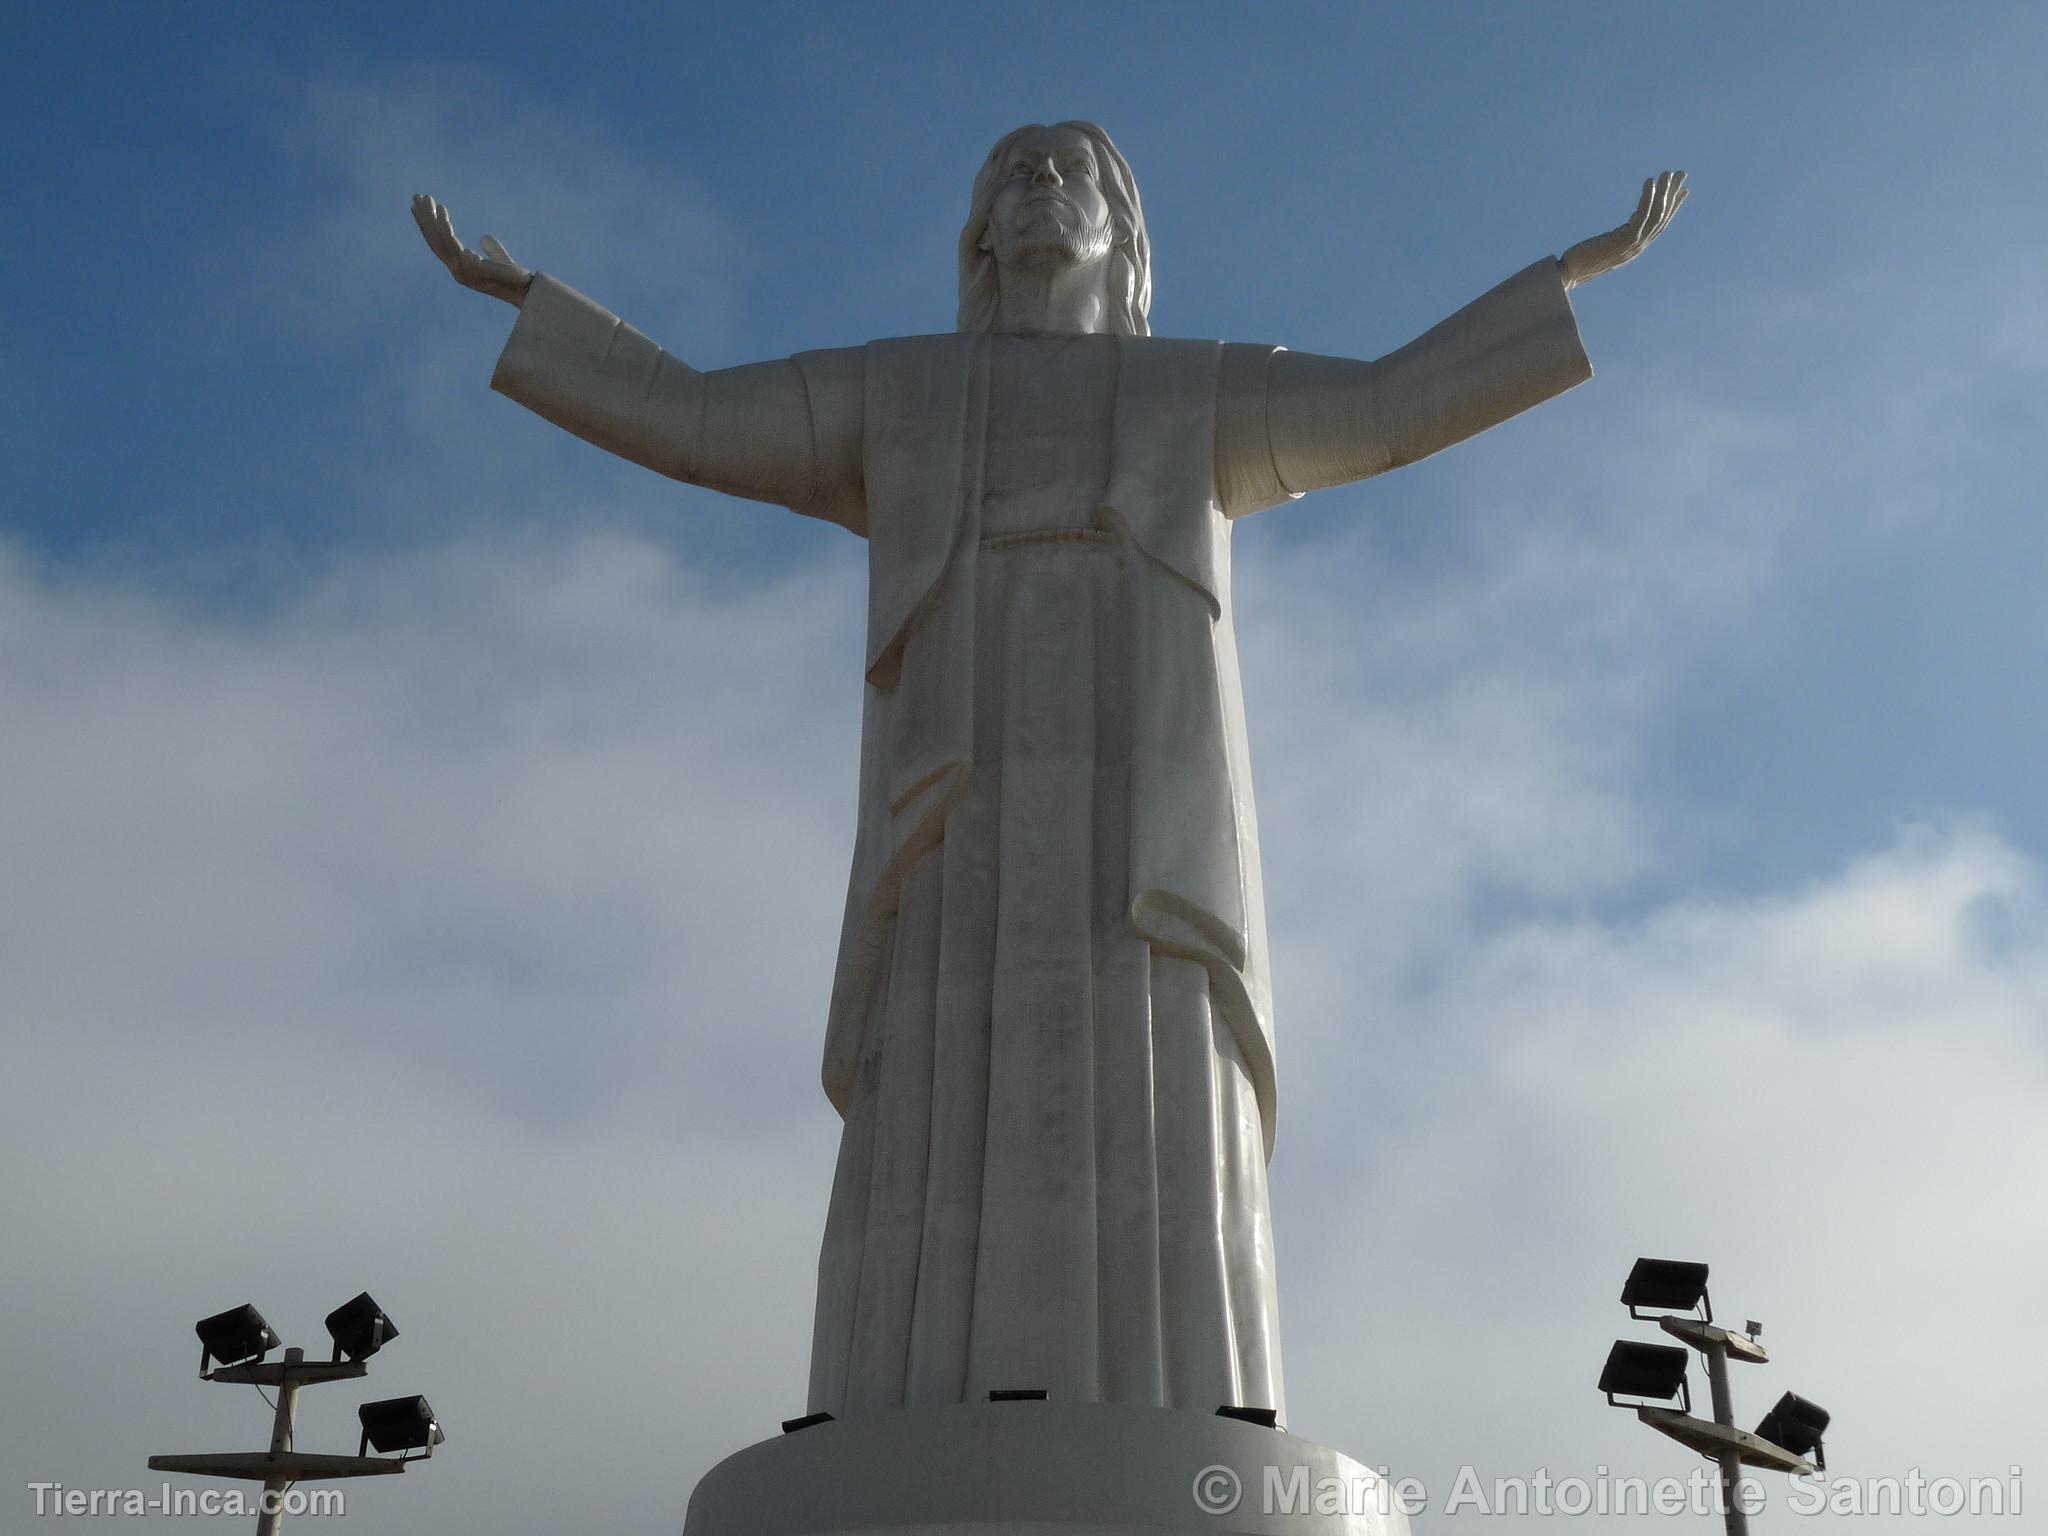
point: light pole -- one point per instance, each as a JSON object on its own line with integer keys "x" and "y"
{"x": 1634, "y": 1370}
{"x": 239, "y": 1339}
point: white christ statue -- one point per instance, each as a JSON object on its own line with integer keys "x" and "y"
{"x": 1051, "y": 1032}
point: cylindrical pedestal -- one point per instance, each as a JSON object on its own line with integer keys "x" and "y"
{"x": 1041, "y": 1469}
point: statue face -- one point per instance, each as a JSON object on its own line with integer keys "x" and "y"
{"x": 1050, "y": 207}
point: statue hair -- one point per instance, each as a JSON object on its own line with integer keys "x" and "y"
{"x": 1130, "y": 253}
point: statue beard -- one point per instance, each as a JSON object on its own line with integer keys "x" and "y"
{"x": 1051, "y": 241}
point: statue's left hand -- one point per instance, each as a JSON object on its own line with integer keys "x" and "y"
{"x": 494, "y": 272}
{"x": 1585, "y": 261}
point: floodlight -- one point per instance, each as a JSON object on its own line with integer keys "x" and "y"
{"x": 1666, "y": 1285}
{"x": 808, "y": 1421}
{"x": 233, "y": 1336}
{"x": 1017, "y": 1395}
{"x": 1797, "y": 1425}
{"x": 400, "y": 1424}
{"x": 360, "y": 1328}
{"x": 1646, "y": 1370}
{"x": 1265, "y": 1418}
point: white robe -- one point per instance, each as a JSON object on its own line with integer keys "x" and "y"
{"x": 1051, "y": 1029}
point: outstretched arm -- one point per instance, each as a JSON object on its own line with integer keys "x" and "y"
{"x": 1331, "y": 420}
{"x": 750, "y": 431}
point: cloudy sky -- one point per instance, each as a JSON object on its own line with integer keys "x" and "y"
{"x": 422, "y": 838}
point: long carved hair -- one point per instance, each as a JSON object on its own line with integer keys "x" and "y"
{"x": 1130, "y": 254}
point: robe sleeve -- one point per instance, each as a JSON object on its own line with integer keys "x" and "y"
{"x": 748, "y": 431}
{"x": 1247, "y": 479}
{"x": 1332, "y": 420}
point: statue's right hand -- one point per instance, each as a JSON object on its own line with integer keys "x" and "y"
{"x": 494, "y": 272}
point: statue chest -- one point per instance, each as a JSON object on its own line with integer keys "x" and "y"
{"x": 1051, "y": 412}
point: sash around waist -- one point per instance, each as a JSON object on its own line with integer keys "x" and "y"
{"x": 1001, "y": 541}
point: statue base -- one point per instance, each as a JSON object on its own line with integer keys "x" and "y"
{"x": 1041, "y": 1469}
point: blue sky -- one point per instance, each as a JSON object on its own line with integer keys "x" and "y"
{"x": 348, "y": 713}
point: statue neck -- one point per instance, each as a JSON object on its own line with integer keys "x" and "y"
{"x": 1053, "y": 298}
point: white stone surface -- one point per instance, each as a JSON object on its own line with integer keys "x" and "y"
{"x": 1061, "y": 1469}
{"x": 1051, "y": 1030}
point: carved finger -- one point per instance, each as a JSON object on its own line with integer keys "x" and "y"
{"x": 1645, "y": 222}
{"x": 496, "y": 251}
{"x": 1671, "y": 195}
{"x": 1674, "y": 194}
{"x": 424, "y": 210}
{"x": 1655, "y": 221}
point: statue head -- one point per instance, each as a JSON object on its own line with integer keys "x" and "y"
{"x": 1058, "y": 194}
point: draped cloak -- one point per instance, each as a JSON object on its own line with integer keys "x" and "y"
{"x": 1052, "y": 1171}
{"x": 1193, "y": 857}
{"x": 917, "y": 409}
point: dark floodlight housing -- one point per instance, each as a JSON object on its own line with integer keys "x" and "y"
{"x": 360, "y": 1328}
{"x": 233, "y": 1336}
{"x": 400, "y": 1424}
{"x": 1667, "y": 1285}
{"x": 1265, "y": 1418}
{"x": 808, "y": 1421}
{"x": 1017, "y": 1395}
{"x": 1646, "y": 1370}
{"x": 1797, "y": 1425}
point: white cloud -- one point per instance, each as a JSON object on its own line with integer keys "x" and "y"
{"x": 562, "y": 193}
{"x": 1441, "y": 738}
{"x": 485, "y": 813}
{"x": 1832, "y": 1095}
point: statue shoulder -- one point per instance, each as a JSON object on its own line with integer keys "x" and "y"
{"x": 1191, "y": 360}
